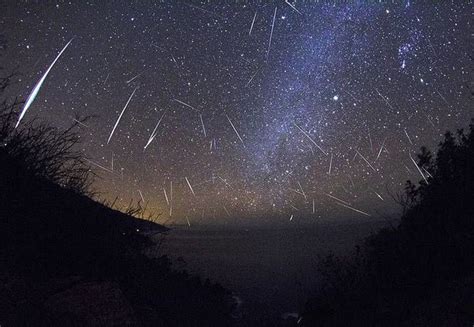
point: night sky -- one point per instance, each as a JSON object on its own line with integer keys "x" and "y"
{"x": 270, "y": 112}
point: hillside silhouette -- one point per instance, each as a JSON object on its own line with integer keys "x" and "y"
{"x": 420, "y": 273}
{"x": 67, "y": 260}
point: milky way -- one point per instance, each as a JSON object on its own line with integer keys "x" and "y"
{"x": 248, "y": 111}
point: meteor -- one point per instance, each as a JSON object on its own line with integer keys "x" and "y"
{"x": 120, "y": 117}
{"x": 38, "y": 85}
{"x": 442, "y": 97}
{"x": 408, "y": 137}
{"x": 368, "y": 163}
{"x": 353, "y": 209}
{"x": 133, "y": 78}
{"x": 309, "y": 138}
{"x": 385, "y": 99}
{"x": 141, "y": 196}
{"x": 251, "y": 78}
{"x": 97, "y": 165}
{"x": 203, "y": 127}
{"x": 330, "y": 165}
{"x": 166, "y": 196}
{"x": 80, "y": 123}
{"x": 378, "y": 195}
{"x": 185, "y": 104}
{"x": 292, "y": 7}
{"x": 253, "y": 22}
{"x": 105, "y": 81}
{"x": 370, "y": 139}
{"x": 381, "y": 148}
{"x": 271, "y": 33}
{"x": 112, "y": 162}
{"x": 302, "y": 191}
{"x": 337, "y": 199}
{"x": 235, "y": 130}
{"x": 418, "y": 168}
{"x": 190, "y": 187}
{"x": 153, "y": 134}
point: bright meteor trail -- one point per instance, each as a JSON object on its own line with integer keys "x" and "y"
{"x": 38, "y": 85}
{"x": 153, "y": 134}
{"x": 120, "y": 117}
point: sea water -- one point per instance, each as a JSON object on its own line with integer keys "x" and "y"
{"x": 265, "y": 267}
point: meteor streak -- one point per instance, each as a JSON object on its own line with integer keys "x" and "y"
{"x": 378, "y": 195}
{"x": 309, "y": 138}
{"x": 302, "y": 191}
{"x": 185, "y": 104}
{"x": 418, "y": 168}
{"x": 366, "y": 160}
{"x": 106, "y": 78}
{"x": 330, "y": 164}
{"x": 190, "y": 187}
{"x": 253, "y": 21}
{"x": 153, "y": 134}
{"x": 271, "y": 33}
{"x": 166, "y": 196}
{"x": 385, "y": 99}
{"x": 38, "y": 85}
{"x": 203, "y": 127}
{"x": 381, "y": 148}
{"x": 141, "y": 196}
{"x": 442, "y": 97}
{"x": 332, "y": 196}
{"x": 235, "y": 130}
{"x": 97, "y": 165}
{"x": 292, "y": 7}
{"x": 133, "y": 78}
{"x": 251, "y": 78}
{"x": 79, "y": 122}
{"x": 353, "y": 209}
{"x": 120, "y": 117}
{"x": 408, "y": 137}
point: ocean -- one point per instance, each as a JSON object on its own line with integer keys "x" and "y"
{"x": 271, "y": 268}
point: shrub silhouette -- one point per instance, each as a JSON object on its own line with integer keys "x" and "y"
{"x": 420, "y": 272}
{"x": 46, "y": 152}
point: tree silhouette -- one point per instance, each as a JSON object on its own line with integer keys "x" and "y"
{"x": 398, "y": 274}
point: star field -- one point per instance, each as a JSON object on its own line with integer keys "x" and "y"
{"x": 270, "y": 111}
